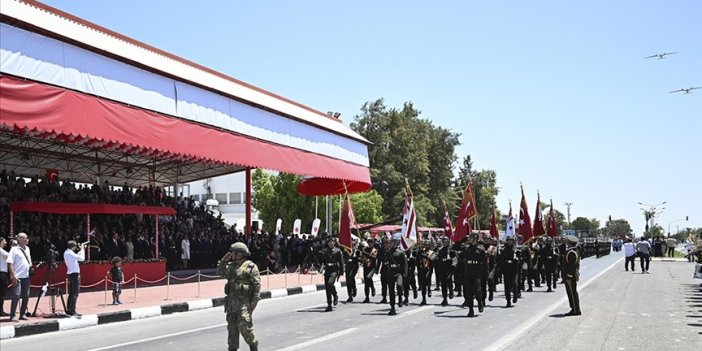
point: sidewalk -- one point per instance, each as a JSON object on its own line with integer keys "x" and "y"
{"x": 151, "y": 301}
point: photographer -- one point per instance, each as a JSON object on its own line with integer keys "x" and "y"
{"x": 71, "y": 257}
{"x": 19, "y": 263}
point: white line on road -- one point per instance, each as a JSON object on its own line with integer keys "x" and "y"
{"x": 158, "y": 337}
{"x": 518, "y": 331}
{"x": 319, "y": 340}
{"x": 310, "y": 307}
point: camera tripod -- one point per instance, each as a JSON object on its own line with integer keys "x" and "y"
{"x": 50, "y": 273}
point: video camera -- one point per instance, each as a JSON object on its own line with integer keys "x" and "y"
{"x": 51, "y": 254}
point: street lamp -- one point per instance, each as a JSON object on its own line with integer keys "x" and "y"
{"x": 675, "y": 220}
{"x": 651, "y": 212}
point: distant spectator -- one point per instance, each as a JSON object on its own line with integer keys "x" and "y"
{"x": 644, "y": 250}
{"x": 185, "y": 250}
{"x": 19, "y": 262}
{"x": 670, "y": 246}
{"x": 629, "y": 254}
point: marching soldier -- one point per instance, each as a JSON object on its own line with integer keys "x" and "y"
{"x": 351, "y": 268}
{"x": 507, "y": 264}
{"x": 384, "y": 277}
{"x": 369, "y": 260}
{"x": 549, "y": 260}
{"x": 457, "y": 268}
{"x": 571, "y": 275}
{"x": 410, "y": 281}
{"x": 473, "y": 257}
{"x": 525, "y": 274}
{"x": 395, "y": 263}
{"x": 242, "y": 292}
{"x": 444, "y": 266}
{"x": 488, "y": 281}
{"x": 333, "y": 262}
{"x": 425, "y": 267}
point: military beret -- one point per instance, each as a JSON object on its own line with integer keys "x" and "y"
{"x": 572, "y": 239}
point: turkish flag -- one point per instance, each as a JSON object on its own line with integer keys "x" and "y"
{"x": 347, "y": 220}
{"x": 538, "y": 219}
{"x": 552, "y": 229}
{"x": 52, "y": 175}
{"x": 493, "y": 224}
{"x": 524, "y": 228}
{"x": 467, "y": 212}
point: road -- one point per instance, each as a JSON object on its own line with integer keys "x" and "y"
{"x": 298, "y": 323}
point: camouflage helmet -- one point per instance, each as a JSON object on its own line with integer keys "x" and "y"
{"x": 240, "y": 248}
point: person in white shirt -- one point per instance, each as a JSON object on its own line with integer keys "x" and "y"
{"x": 629, "y": 254}
{"x": 19, "y": 260}
{"x": 71, "y": 257}
{"x": 3, "y": 276}
{"x": 185, "y": 251}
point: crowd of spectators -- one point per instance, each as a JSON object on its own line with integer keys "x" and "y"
{"x": 193, "y": 238}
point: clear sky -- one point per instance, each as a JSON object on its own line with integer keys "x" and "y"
{"x": 554, "y": 94}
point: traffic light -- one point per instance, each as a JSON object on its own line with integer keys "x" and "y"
{"x": 610, "y": 218}
{"x": 686, "y": 218}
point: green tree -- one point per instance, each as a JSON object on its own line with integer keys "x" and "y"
{"x": 581, "y": 224}
{"x": 484, "y": 189}
{"x": 617, "y": 228}
{"x": 406, "y": 146}
{"x": 275, "y": 196}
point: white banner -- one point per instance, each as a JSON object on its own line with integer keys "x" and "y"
{"x": 278, "y": 226}
{"x": 315, "y": 226}
{"x": 296, "y": 226}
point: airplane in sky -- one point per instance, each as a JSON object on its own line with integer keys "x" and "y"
{"x": 686, "y": 90}
{"x": 661, "y": 55}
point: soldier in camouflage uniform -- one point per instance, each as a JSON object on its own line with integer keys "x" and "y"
{"x": 243, "y": 290}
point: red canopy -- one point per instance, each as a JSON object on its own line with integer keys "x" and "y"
{"x": 324, "y": 186}
{"x": 74, "y": 208}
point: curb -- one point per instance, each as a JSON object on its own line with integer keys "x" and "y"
{"x": 15, "y": 331}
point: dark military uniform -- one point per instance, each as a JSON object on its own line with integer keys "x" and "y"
{"x": 395, "y": 266}
{"x": 526, "y": 268}
{"x": 487, "y": 283}
{"x": 458, "y": 268}
{"x": 351, "y": 268}
{"x": 243, "y": 289}
{"x": 333, "y": 262}
{"x": 549, "y": 261}
{"x": 425, "y": 267}
{"x": 370, "y": 263}
{"x": 571, "y": 274}
{"x": 473, "y": 258}
{"x": 409, "y": 281}
{"x": 507, "y": 264}
{"x": 444, "y": 268}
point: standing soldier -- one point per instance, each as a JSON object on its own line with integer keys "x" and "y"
{"x": 507, "y": 263}
{"x": 394, "y": 262}
{"x": 410, "y": 280}
{"x": 243, "y": 291}
{"x": 571, "y": 275}
{"x": 351, "y": 268}
{"x": 425, "y": 267}
{"x": 473, "y": 257}
{"x": 333, "y": 262}
{"x": 369, "y": 260}
{"x": 549, "y": 259}
{"x": 444, "y": 265}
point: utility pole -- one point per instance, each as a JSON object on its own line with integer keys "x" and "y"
{"x": 568, "y": 204}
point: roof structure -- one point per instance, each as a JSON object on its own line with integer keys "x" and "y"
{"x": 91, "y": 103}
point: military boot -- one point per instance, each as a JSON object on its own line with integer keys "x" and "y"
{"x": 549, "y": 289}
{"x": 509, "y": 303}
{"x": 254, "y": 347}
{"x": 444, "y": 303}
{"x": 328, "y": 309}
{"x": 384, "y": 300}
{"x": 406, "y": 301}
{"x": 481, "y": 306}
{"x": 392, "y": 311}
{"x": 429, "y": 292}
{"x": 471, "y": 313}
{"x": 366, "y": 300}
{"x": 414, "y": 291}
{"x": 350, "y": 299}
{"x": 490, "y": 296}
{"x": 336, "y": 300}
{"x": 424, "y": 301}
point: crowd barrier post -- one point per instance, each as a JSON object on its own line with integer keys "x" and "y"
{"x": 268, "y": 279}
{"x": 66, "y": 287}
{"x": 105, "y": 290}
{"x": 311, "y": 271}
{"x": 285, "y": 271}
{"x": 298, "y": 275}
{"x": 168, "y": 286}
{"x": 198, "y": 283}
{"x": 135, "y": 286}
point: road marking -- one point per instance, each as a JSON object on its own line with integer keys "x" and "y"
{"x": 158, "y": 337}
{"x": 521, "y": 329}
{"x": 416, "y": 310}
{"x": 310, "y": 307}
{"x": 319, "y": 340}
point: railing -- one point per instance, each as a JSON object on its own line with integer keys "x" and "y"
{"x": 312, "y": 272}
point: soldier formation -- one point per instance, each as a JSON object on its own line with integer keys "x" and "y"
{"x": 471, "y": 269}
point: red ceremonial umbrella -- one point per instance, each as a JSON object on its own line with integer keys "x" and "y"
{"x": 315, "y": 186}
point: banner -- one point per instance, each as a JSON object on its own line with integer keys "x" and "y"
{"x": 538, "y": 218}
{"x": 315, "y": 227}
{"x": 552, "y": 228}
{"x": 278, "y": 226}
{"x": 524, "y": 229}
{"x": 409, "y": 221}
{"x": 297, "y": 226}
{"x": 465, "y": 214}
{"x": 345, "y": 223}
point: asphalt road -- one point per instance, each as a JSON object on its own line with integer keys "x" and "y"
{"x": 298, "y": 323}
